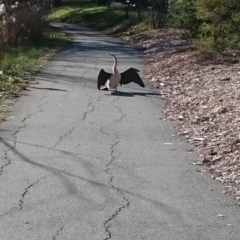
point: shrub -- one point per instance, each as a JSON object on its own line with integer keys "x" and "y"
{"x": 183, "y": 14}
{"x": 221, "y": 24}
{"x": 205, "y": 47}
{"x": 21, "y": 26}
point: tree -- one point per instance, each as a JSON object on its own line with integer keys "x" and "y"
{"x": 183, "y": 14}
{"x": 57, "y": 3}
{"x": 102, "y": 2}
{"x": 220, "y": 23}
{"x": 159, "y": 12}
{"x": 139, "y": 6}
{"x": 127, "y": 8}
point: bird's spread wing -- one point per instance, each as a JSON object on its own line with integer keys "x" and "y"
{"x": 102, "y": 78}
{"x": 131, "y": 75}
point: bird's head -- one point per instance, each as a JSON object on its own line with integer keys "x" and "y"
{"x": 108, "y": 53}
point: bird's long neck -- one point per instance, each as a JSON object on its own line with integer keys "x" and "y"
{"x": 114, "y": 68}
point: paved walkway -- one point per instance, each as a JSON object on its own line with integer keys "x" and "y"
{"x": 78, "y": 163}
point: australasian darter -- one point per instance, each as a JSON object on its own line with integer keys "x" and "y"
{"x": 112, "y": 80}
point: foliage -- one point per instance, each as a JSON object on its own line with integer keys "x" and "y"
{"x": 214, "y": 23}
{"x": 183, "y": 14}
{"x": 221, "y": 24}
{"x": 19, "y": 64}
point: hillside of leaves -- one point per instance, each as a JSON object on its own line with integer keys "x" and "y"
{"x": 201, "y": 98}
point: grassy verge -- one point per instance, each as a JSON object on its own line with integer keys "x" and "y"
{"x": 112, "y": 21}
{"x": 18, "y": 66}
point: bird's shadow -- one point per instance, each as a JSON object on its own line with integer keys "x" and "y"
{"x": 132, "y": 94}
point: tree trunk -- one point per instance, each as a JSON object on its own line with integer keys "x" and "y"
{"x": 57, "y": 3}
{"x": 127, "y": 9}
{"x": 139, "y": 6}
{"x": 152, "y": 15}
{"x": 108, "y": 3}
{"x": 102, "y": 2}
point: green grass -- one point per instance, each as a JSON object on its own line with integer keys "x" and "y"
{"x": 19, "y": 65}
{"x": 112, "y": 21}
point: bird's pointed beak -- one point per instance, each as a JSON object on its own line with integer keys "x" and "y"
{"x": 108, "y": 53}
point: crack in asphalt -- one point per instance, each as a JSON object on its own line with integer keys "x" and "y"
{"x": 70, "y": 131}
{"x": 28, "y": 116}
{"x": 14, "y": 135}
{"x": 54, "y": 237}
{"x": 39, "y": 110}
{"x": 119, "y": 110}
{"x": 7, "y": 163}
{"x": 8, "y": 160}
{"x": 127, "y": 202}
{"x": 67, "y": 133}
{"x": 109, "y": 172}
{"x": 4, "y": 214}
{"x": 111, "y": 161}
{"x": 90, "y": 104}
{"x": 21, "y": 201}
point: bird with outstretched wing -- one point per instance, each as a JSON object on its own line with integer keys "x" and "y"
{"x": 131, "y": 75}
{"x": 111, "y": 81}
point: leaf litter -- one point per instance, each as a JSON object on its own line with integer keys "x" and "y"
{"x": 201, "y": 98}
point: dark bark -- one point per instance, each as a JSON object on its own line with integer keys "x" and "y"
{"x": 57, "y": 3}
{"x": 159, "y": 12}
{"x": 139, "y": 6}
{"x": 102, "y": 2}
{"x": 127, "y": 9}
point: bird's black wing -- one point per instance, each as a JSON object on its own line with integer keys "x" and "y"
{"x": 131, "y": 75}
{"x": 102, "y": 78}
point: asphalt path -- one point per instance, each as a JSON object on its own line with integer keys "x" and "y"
{"x": 81, "y": 164}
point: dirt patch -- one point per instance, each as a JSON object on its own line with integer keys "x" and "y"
{"x": 202, "y": 98}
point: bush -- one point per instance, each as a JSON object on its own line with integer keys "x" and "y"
{"x": 221, "y": 24}
{"x": 214, "y": 23}
{"x": 21, "y": 26}
{"x": 205, "y": 47}
{"x": 183, "y": 14}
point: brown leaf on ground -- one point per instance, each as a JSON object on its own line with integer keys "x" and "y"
{"x": 203, "y": 100}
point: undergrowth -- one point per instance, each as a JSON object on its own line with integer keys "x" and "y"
{"x": 18, "y": 66}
